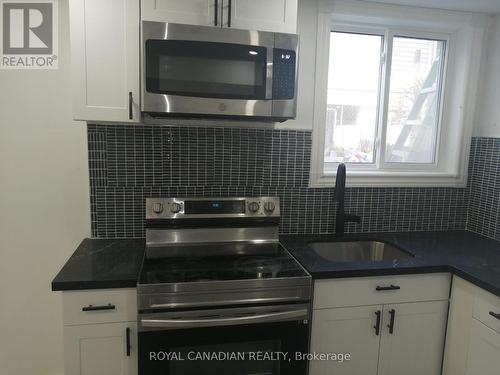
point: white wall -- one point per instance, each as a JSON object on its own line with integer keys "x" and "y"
{"x": 487, "y": 122}
{"x": 44, "y": 209}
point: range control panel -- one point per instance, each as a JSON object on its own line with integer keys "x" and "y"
{"x": 177, "y": 208}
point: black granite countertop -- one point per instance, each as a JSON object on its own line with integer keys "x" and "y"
{"x": 473, "y": 257}
{"x": 101, "y": 264}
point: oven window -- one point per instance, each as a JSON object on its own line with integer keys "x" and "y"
{"x": 176, "y": 345}
{"x": 205, "y": 69}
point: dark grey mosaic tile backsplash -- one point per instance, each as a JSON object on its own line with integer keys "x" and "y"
{"x": 129, "y": 163}
{"x": 484, "y": 187}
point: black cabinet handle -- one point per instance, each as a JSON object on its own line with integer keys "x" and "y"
{"x": 229, "y": 13}
{"x": 495, "y": 315}
{"x": 130, "y": 104}
{"x": 99, "y": 308}
{"x": 216, "y": 13}
{"x": 392, "y": 313}
{"x": 378, "y": 313}
{"x": 391, "y": 287}
{"x": 127, "y": 334}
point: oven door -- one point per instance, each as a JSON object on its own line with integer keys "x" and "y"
{"x": 233, "y": 341}
{"x": 207, "y": 71}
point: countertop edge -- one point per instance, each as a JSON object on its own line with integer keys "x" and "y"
{"x": 92, "y": 285}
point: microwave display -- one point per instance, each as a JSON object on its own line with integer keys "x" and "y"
{"x": 206, "y": 69}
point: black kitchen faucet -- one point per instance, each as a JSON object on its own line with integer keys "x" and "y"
{"x": 341, "y": 217}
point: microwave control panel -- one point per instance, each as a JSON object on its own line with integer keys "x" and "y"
{"x": 284, "y": 61}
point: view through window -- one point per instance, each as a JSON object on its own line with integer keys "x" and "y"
{"x": 355, "y": 131}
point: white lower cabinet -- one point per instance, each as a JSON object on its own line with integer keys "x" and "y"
{"x": 473, "y": 336}
{"x": 415, "y": 346}
{"x": 100, "y": 332}
{"x": 347, "y": 330}
{"x": 389, "y": 338}
{"x": 484, "y": 350}
{"x": 101, "y": 349}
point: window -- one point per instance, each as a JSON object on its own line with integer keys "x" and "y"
{"x": 406, "y": 129}
{"x": 414, "y": 108}
{"x": 395, "y": 94}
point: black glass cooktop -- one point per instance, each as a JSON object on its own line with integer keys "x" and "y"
{"x": 266, "y": 265}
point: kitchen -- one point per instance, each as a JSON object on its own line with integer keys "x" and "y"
{"x": 109, "y": 184}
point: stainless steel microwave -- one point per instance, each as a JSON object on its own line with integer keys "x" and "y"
{"x": 209, "y": 72}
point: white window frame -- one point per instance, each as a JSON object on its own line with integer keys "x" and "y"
{"x": 455, "y": 109}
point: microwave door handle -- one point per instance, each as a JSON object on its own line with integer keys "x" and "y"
{"x": 210, "y": 322}
{"x": 269, "y": 73}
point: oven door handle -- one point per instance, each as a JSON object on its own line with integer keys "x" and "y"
{"x": 233, "y": 320}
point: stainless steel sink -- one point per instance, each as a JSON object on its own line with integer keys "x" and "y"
{"x": 358, "y": 251}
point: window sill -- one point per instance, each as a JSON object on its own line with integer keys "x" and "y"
{"x": 392, "y": 179}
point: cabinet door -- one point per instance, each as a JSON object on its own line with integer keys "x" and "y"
{"x": 484, "y": 350}
{"x": 100, "y": 349}
{"x": 105, "y": 60}
{"x": 345, "y": 330}
{"x": 192, "y": 12}
{"x": 263, "y": 15}
{"x": 415, "y": 346}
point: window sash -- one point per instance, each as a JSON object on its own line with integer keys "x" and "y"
{"x": 374, "y": 164}
{"x": 388, "y": 34}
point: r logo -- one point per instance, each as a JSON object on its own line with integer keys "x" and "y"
{"x": 29, "y": 37}
{"x": 27, "y": 28}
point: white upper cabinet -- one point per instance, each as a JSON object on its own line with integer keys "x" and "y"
{"x": 193, "y": 12}
{"x": 262, "y": 15}
{"x": 105, "y": 60}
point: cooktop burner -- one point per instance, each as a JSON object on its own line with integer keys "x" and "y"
{"x": 279, "y": 264}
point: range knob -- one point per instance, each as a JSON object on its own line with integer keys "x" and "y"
{"x": 253, "y": 206}
{"x": 175, "y": 208}
{"x": 269, "y": 206}
{"x": 157, "y": 208}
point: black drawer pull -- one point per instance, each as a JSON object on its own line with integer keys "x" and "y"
{"x": 391, "y": 287}
{"x": 392, "y": 312}
{"x": 99, "y": 308}
{"x": 378, "y": 314}
{"x": 127, "y": 334}
{"x": 495, "y": 315}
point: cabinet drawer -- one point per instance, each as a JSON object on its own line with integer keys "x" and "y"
{"x": 99, "y": 306}
{"x": 486, "y": 305}
{"x": 381, "y": 290}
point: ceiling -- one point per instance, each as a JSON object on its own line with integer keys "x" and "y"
{"x": 483, "y": 6}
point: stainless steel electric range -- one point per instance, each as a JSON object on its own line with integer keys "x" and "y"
{"x": 217, "y": 293}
